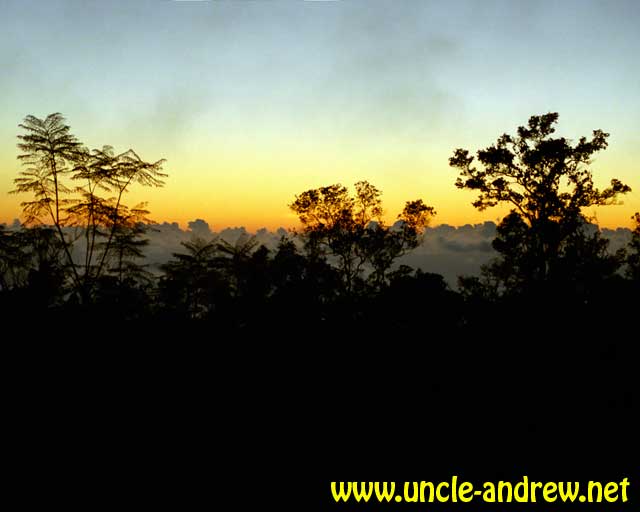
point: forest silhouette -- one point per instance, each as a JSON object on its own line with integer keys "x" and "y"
{"x": 80, "y": 249}
{"x": 540, "y": 348}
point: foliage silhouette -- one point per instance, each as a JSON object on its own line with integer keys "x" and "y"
{"x": 548, "y": 182}
{"x": 342, "y": 271}
{"x": 190, "y": 280}
{"x": 633, "y": 259}
{"x": 537, "y": 348}
{"x": 54, "y": 159}
{"x": 32, "y": 263}
{"x": 350, "y": 231}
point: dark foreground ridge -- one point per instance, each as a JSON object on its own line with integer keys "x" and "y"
{"x": 190, "y": 412}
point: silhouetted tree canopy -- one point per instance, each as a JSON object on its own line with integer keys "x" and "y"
{"x": 548, "y": 182}
{"x": 350, "y": 231}
{"x": 633, "y": 259}
{"x": 328, "y": 327}
{"x": 543, "y": 178}
{"x": 83, "y": 249}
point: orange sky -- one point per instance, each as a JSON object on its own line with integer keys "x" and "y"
{"x": 245, "y": 188}
{"x": 252, "y": 103}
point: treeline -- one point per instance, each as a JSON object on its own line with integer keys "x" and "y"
{"x": 383, "y": 365}
{"x": 246, "y": 284}
{"x": 339, "y": 269}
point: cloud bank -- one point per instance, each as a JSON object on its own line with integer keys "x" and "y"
{"x": 447, "y": 250}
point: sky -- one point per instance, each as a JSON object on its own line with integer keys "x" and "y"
{"x": 253, "y": 102}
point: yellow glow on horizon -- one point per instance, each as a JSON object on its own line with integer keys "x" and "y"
{"x": 230, "y": 185}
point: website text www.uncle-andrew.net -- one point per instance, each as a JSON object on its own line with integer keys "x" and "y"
{"x": 456, "y": 490}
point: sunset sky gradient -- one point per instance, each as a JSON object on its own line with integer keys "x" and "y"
{"x": 252, "y": 102}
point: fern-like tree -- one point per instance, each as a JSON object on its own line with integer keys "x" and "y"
{"x": 126, "y": 249}
{"x": 48, "y": 151}
{"x": 234, "y": 260}
{"x": 191, "y": 281}
{"x": 72, "y": 186}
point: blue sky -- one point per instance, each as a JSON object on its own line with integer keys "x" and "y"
{"x": 254, "y": 101}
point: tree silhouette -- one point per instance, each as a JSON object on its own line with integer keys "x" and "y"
{"x": 127, "y": 247}
{"x": 124, "y": 289}
{"x": 191, "y": 280}
{"x": 413, "y": 295}
{"x": 112, "y": 173}
{"x": 301, "y": 286}
{"x": 235, "y": 259}
{"x": 350, "y": 230}
{"x": 48, "y": 151}
{"x": 548, "y": 182}
{"x": 383, "y": 246}
{"x": 54, "y": 159}
{"x": 83, "y": 249}
{"x": 633, "y": 258}
{"x": 12, "y": 262}
{"x": 32, "y": 267}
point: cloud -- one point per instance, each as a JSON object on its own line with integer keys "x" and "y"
{"x": 453, "y": 251}
{"x": 200, "y": 228}
{"x": 447, "y": 250}
{"x": 618, "y": 238}
{"x": 395, "y": 88}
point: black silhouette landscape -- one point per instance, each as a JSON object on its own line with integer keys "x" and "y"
{"x": 82, "y": 250}
{"x": 551, "y": 313}
{"x": 149, "y": 361}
